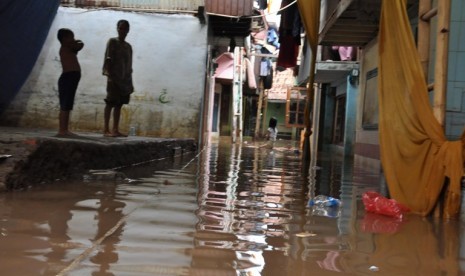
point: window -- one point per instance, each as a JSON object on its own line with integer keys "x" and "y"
{"x": 295, "y": 106}
{"x": 339, "y": 120}
{"x": 370, "y": 102}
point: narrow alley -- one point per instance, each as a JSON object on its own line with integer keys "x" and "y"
{"x": 232, "y": 137}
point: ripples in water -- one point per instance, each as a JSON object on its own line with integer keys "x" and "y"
{"x": 233, "y": 211}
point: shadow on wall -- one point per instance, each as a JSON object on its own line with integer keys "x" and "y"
{"x": 25, "y": 25}
{"x": 19, "y": 108}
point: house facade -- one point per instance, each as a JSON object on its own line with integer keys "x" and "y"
{"x": 349, "y": 104}
{"x": 169, "y": 65}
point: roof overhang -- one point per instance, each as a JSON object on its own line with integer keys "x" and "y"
{"x": 351, "y": 23}
{"x": 225, "y": 69}
{"x": 331, "y": 71}
{"x": 354, "y": 22}
{"x": 230, "y": 27}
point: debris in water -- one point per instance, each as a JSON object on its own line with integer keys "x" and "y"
{"x": 167, "y": 182}
{"x": 374, "y": 268}
{"x": 324, "y": 201}
{"x": 378, "y": 204}
{"x": 5, "y": 156}
{"x": 104, "y": 175}
{"x": 305, "y": 234}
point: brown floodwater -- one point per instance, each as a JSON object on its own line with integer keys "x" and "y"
{"x": 229, "y": 210}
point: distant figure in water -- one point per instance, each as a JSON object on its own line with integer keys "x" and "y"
{"x": 69, "y": 79}
{"x": 272, "y": 132}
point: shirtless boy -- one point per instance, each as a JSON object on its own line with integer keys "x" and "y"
{"x": 69, "y": 79}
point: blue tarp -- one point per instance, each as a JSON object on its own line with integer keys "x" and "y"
{"x": 24, "y": 26}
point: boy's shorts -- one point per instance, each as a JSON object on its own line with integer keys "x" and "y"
{"x": 115, "y": 95}
{"x": 67, "y": 86}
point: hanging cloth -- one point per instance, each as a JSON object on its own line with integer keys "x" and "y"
{"x": 289, "y": 35}
{"x": 415, "y": 155}
{"x": 268, "y": 80}
{"x": 262, "y": 4}
{"x": 25, "y": 25}
{"x": 288, "y": 52}
{"x": 252, "y": 82}
{"x": 265, "y": 67}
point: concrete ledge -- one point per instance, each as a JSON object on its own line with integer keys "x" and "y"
{"x": 38, "y": 157}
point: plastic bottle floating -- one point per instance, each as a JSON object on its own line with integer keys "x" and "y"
{"x": 324, "y": 201}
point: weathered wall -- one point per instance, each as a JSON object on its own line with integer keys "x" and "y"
{"x": 169, "y": 74}
{"x": 329, "y": 108}
{"x": 351, "y": 115}
{"x": 367, "y": 140}
{"x": 455, "y": 118}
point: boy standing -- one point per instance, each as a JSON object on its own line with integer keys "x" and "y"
{"x": 117, "y": 67}
{"x": 69, "y": 79}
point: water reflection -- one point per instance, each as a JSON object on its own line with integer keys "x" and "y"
{"x": 234, "y": 211}
{"x": 108, "y": 215}
{"x": 39, "y": 231}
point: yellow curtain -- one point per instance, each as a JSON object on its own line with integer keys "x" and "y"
{"x": 415, "y": 155}
{"x": 310, "y": 14}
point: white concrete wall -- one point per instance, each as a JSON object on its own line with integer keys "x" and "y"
{"x": 169, "y": 57}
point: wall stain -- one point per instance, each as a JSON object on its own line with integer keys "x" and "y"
{"x": 164, "y": 98}
{"x": 142, "y": 97}
{"x": 127, "y": 115}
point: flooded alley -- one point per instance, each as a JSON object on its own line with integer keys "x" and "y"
{"x": 228, "y": 210}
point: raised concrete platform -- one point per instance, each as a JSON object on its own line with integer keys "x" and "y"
{"x": 29, "y": 157}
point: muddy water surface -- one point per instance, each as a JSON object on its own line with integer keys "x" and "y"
{"x": 229, "y": 211}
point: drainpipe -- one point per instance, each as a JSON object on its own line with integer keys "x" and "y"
{"x": 233, "y": 118}
{"x": 316, "y": 121}
{"x": 265, "y": 109}
{"x": 205, "y": 118}
{"x": 259, "y": 110}
{"x": 240, "y": 104}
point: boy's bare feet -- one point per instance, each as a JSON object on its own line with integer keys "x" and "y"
{"x": 108, "y": 134}
{"x": 66, "y": 134}
{"x": 114, "y": 134}
{"x": 119, "y": 134}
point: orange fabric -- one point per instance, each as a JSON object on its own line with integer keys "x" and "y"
{"x": 310, "y": 15}
{"x": 415, "y": 155}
